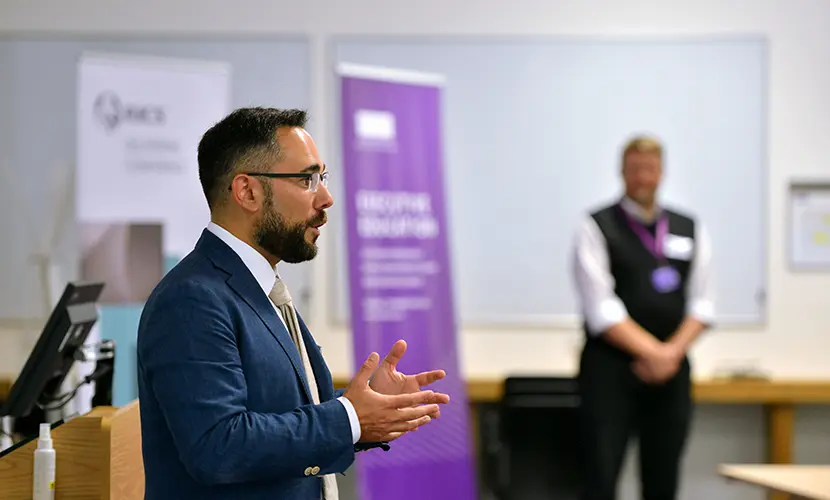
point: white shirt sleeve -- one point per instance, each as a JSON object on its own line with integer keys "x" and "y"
{"x": 593, "y": 279}
{"x": 701, "y": 302}
{"x": 353, "y": 420}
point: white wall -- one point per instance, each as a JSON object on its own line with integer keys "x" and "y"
{"x": 795, "y": 342}
{"x": 16, "y": 341}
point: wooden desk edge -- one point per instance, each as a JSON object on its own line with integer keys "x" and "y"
{"x": 489, "y": 390}
{"x": 732, "y": 470}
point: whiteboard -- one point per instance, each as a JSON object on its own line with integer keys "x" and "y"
{"x": 533, "y": 131}
{"x": 38, "y": 129}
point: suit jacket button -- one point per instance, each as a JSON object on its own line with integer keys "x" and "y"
{"x": 308, "y": 471}
{"x": 315, "y": 470}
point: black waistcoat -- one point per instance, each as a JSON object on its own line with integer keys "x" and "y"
{"x": 632, "y": 265}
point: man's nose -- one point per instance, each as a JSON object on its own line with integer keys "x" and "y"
{"x": 323, "y": 199}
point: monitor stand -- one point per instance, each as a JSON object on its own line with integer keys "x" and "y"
{"x": 103, "y": 354}
{"x": 5, "y": 433}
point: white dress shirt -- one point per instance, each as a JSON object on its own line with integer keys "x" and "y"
{"x": 595, "y": 284}
{"x": 266, "y": 276}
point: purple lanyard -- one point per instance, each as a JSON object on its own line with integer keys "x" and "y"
{"x": 654, "y": 244}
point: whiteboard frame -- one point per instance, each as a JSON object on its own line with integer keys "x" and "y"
{"x": 545, "y": 323}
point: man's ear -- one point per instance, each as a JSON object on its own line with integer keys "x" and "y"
{"x": 246, "y": 193}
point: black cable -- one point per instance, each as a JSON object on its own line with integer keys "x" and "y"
{"x": 66, "y": 397}
{"x": 9, "y": 435}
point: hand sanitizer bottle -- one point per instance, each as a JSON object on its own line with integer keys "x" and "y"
{"x": 44, "y": 473}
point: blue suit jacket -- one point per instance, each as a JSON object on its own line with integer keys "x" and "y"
{"x": 225, "y": 408}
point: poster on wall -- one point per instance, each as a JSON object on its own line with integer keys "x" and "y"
{"x": 809, "y": 225}
{"x": 399, "y": 271}
{"x": 139, "y": 204}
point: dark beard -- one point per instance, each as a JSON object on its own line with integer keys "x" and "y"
{"x": 283, "y": 241}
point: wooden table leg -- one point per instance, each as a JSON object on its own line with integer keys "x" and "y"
{"x": 780, "y": 422}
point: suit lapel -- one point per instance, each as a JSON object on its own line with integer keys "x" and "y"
{"x": 262, "y": 306}
{"x": 242, "y": 282}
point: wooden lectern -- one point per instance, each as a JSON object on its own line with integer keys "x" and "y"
{"x": 98, "y": 456}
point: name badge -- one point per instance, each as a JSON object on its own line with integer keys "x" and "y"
{"x": 678, "y": 247}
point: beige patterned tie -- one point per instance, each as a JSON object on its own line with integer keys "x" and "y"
{"x": 282, "y": 299}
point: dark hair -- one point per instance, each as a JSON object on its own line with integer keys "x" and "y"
{"x": 245, "y": 139}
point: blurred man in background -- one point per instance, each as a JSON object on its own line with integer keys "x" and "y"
{"x": 642, "y": 275}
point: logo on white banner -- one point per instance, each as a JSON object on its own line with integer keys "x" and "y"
{"x": 111, "y": 112}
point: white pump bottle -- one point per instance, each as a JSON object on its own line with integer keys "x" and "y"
{"x": 44, "y": 473}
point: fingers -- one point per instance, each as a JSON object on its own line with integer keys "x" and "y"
{"x": 426, "y": 378}
{"x": 408, "y": 420}
{"x": 418, "y": 398}
{"x": 642, "y": 372}
{"x": 649, "y": 374}
{"x": 436, "y": 413}
{"x": 395, "y": 354}
{"x": 409, "y": 425}
{"x": 416, "y": 413}
{"x": 397, "y": 429}
{"x": 392, "y": 436}
{"x": 366, "y": 369}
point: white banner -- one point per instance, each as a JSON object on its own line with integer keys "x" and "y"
{"x": 138, "y": 197}
{"x": 140, "y": 120}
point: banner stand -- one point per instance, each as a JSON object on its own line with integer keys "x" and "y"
{"x": 400, "y": 279}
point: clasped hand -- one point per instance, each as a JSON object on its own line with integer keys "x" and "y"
{"x": 389, "y": 403}
{"x": 659, "y": 365}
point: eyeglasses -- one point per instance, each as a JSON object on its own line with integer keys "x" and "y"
{"x": 312, "y": 179}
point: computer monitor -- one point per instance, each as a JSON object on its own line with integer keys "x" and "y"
{"x": 56, "y": 350}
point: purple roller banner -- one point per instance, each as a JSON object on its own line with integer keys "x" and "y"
{"x": 400, "y": 281}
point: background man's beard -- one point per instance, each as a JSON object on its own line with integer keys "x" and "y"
{"x": 285, "y": 242}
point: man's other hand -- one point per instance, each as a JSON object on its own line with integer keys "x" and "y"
{"x": 388, "y": 380}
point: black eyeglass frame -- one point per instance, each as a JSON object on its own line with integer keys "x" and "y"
{"x": 324, "y": 176}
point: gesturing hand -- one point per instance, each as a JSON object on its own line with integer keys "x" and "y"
{"x": 388, "y": 380}
{"x": 387, "y": 417}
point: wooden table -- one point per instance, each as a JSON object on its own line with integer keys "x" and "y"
{"x": 810, "y": 482}
{"x": 778, "y": 397}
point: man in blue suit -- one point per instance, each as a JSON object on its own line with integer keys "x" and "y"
{"x": 236, "y": 399}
